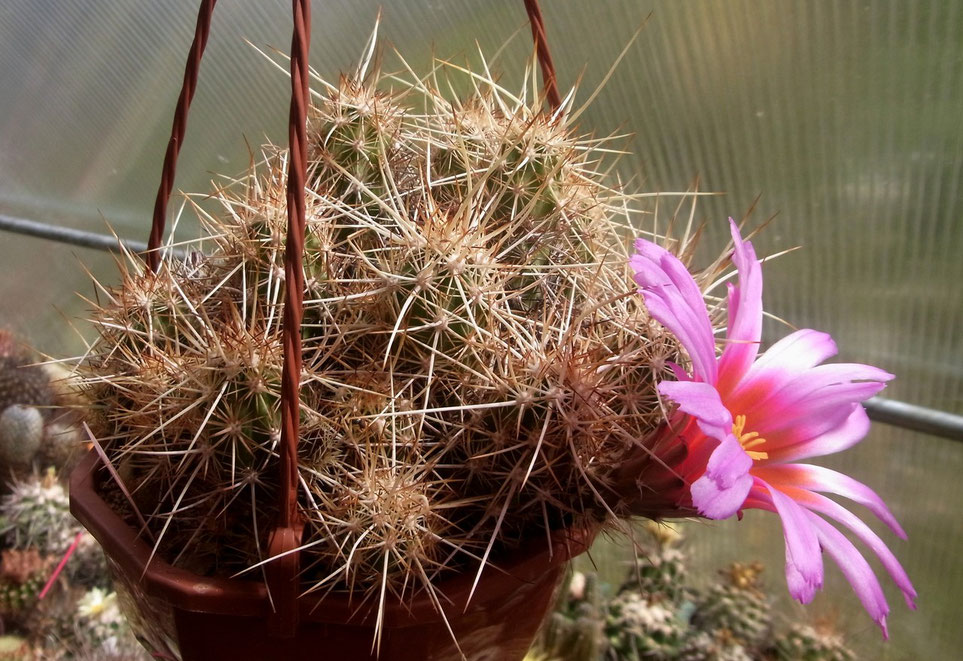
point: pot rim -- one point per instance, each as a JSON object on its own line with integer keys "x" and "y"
{"x": 187, "y": 591}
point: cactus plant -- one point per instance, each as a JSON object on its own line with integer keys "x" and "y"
{"x": 35, "y": 515}
{"x": 574, "y": 632}
{"x": 37, "y": 420}
{"x": 22, "y": 576}
{"x": 804, "y": 642}
{"x": 474, "y": 363}
{"x": 659, "y": 614}
{"x": 736, "y": 607}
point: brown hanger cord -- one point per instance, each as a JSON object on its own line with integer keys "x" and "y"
{"x": 178, "y": 129}
{"x": 282, "y": 572}
{"x": 294, "y": 248}
{"x": 544, "y": 55}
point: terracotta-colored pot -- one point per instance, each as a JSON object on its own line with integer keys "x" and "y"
{"x": 182, "y": 615}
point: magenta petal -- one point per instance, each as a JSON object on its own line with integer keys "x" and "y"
{"x": 797, "y": 351}
{"x": 818, "y": 478}
{"x": 701, "y": 401}
{"x": 673, "y": 298}
{"x": 783, "y": 363}
{"x": 832, "y": 509}
{"x": 804, "y": 561}
{"x": 745, "y": 314}
{"x": 793, "y": 445}
{"x": 722, "y": 490}
{"x": 674, "y": 270}
{"x": 856, "y": 570}
{"x": 841, "y": 380}
{"x": 815, "y": 391}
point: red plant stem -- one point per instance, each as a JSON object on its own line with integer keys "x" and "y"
{"x": 178, "y": 130}
{"x": 544, "y": 55}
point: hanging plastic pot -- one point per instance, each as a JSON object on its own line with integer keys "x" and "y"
{"x": 182, "y": 615}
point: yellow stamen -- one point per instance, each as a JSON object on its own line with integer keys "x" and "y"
{"x": 748, "y": 439}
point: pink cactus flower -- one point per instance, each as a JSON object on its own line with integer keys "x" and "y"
{"x": 746, "y": 418}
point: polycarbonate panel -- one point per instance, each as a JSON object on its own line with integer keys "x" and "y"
{"x": 844, "y": 117}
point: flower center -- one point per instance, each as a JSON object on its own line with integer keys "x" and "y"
{"x": 748, "y": 440}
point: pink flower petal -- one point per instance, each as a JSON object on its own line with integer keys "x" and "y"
{"x": 819, "y": 478}
{"x": 804, "y": 562}
{"x": 794, "y": 417}
{"x": 674, "y": 300}
{"x": 780, "y": 365}
{"x": 722, "y": 490}
{"x": 832, "y": 509}
{"x": 856, "y": 570}
{"x": 701, "y": 401}
{"x": 745, "y": 314}
{"x": 796, "y": 352}
{"x": 820, "y": 386}
{"x": 833, "y": 437}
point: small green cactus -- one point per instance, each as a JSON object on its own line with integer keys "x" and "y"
{"x": 23, "y": 383}
{"x": 22, "y": 576}
{"x": 804, "y": 642}
{"x": 658, "y": 615}
{"x": 25, "y": 406}
{"x": 639, "y": 629}
{"x": 36, "y": 430}
{"x": 35, "y": 515}
{"x": 21, "y": 435}
{"x": 737, "y": 608}
{"x": 574, "y": 632}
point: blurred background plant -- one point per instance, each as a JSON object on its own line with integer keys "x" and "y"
{"x": 55, "y": 599}
{"x": 660, "y": 613}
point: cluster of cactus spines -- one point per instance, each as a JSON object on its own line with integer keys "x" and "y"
{"x": 659, "y": 615}
{"x": 638, "y": 628}
{"x": 474, "y": 360}
{"x": 36, "y": 514}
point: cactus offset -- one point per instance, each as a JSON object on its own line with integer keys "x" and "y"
{"x": 25, "y": 401}
{"x": 21, "y": 435}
